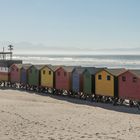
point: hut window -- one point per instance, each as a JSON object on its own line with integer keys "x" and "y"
{"x": 43, "y": 71}
{"x": 65, "y": 74}
{"x": 49, "y": 72}
{"x": 99, "y": 77}
{"x": 58, "y": 73}
{"x": 123, "y": 78}
{"x": 108, "y": 77}
{"x": 134, "y": 79}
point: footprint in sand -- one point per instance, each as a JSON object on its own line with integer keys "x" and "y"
{"x": 50, "y": 138}
{"x": 82, "y": 137}
{"x": 96, "y": 134}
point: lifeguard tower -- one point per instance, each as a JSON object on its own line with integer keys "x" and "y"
{"x": 6, "y": 61}
{"x": 6, "y": 57}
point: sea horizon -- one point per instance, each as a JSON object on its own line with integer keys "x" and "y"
{"x": 98, "y": 60}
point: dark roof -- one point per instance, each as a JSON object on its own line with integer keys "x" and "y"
{"x": 116, "y": 72}
{"x": 93, "y": 70}
{"x": 135, "y": 71}
{"x": 53, "y": 68}
{"x": 80, "y": 70}
{"x": 38, "y": 67}
{"x": 26, "y": 66}
{"x": 68, "y": 68}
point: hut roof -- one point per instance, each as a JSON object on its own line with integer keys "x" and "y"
{"x": 80, "y": 70}
{"x": 135, "y": 71}
{"x": 53, "y": 68}
{"x": 17, "y": 65}
{"x": 93, "y": 70}
{"x": 38, "y": 67}
{"x": 68, "y": 68}
{"x": 26, "y": 66}
{"x": 116, "y": 72}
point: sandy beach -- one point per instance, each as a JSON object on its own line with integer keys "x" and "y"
{"x": 28, "y": 116}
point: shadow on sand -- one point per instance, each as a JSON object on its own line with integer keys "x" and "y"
{"x": 107, "y": 106}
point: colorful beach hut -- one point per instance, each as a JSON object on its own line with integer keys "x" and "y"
{"x": 48, "y": 76}
{"x": 63, "y": 78}
{"x": 34, "y": 75}
{"x": 77, "y": 79}
{"x": 106, "y": 82}
{"x": 24, "y": 73}
{"x": 129, "y": 85}
{"x": 4, "y": 73}
{"x": 89, "y": 80}
{"x": 15, "y": 73}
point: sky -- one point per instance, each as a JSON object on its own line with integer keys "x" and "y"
{"x": 71, "y": 26}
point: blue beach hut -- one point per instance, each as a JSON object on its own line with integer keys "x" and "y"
{"x": 24, "y": 73}
{"x": 77, "y": 79}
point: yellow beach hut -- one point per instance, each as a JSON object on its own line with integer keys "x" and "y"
{"x": 106, "y": 82}
{"x": 48, "y": 76}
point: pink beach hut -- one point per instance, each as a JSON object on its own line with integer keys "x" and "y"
{"x": 15, "y": 73}
{"x": 129, "y": 85}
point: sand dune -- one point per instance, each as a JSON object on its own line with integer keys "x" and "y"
{"x": 25, "y": 116}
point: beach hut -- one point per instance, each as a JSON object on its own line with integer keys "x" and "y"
{"x": 4, "y": 73}
{"x": 89, "y": 80}
{"x": 77, "y": 79}
{"x": 15, "y": 73}
{"x": 48, "y": 76}
{"x": 24, "y": 73}
{"x": 34, "y": 75}
{"x": 63, "y": 78}
{"x": 106, "y": 82}
{"x": 129, "y": 85}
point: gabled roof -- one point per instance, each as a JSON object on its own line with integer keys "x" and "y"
{"x": 135, "y": 72}
{"x": 93, "y": 70}
{"x": 79, "y": 70}
{"x": 17, "y": 65}
{"x": 68, "y": 68}
{"x": 26, "y": 66}
{"x": 38, "y": 67}
{"x": 53, "y": 68}
{"x": 116, "y": 72}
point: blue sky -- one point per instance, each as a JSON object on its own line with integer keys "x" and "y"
{"x": 95, "y": 26}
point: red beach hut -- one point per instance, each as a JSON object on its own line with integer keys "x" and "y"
{"x": 15, "y": 73}
{"x": 129, "y": 85}
{"x": 63, "y": 78}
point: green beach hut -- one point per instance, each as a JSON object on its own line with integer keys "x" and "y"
{"x": 34, "y": 75}
{"x": 89, "y": 80}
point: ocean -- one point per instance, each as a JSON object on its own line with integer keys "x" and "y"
{"x": 111, "y": 61}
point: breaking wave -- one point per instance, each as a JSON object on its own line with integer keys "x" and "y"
{"x": 127, "y": 61}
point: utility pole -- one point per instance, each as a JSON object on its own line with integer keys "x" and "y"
{"x": 10, "y": 47}
{"x": 3, "y": 54}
